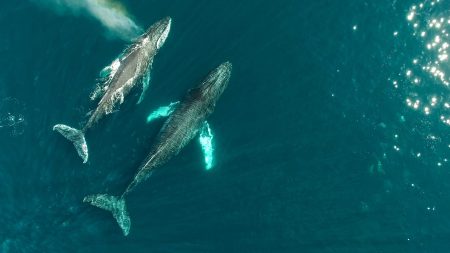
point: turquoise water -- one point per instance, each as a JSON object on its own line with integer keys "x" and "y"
{"x": 332, "y": 135}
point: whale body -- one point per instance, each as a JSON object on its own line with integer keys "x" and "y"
{"x": 131, "y": 67}
{"x": 183, "y": 124}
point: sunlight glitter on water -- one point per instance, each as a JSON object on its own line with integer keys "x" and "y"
{"x": 430, "y": 31}
{"x": 423, "y": 81}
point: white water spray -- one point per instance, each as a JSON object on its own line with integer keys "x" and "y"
{"x": 111, "y": 14}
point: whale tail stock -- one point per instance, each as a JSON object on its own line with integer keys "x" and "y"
{"x": 76, "y": 137}
{"x": 116, "y": 205}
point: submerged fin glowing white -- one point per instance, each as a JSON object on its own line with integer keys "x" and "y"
{"x": 206, "y": 141}
{"x": 145, "y": 84}
{"x": 162, "y": 111}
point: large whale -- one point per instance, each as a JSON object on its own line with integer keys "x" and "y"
{"x": 130, "y": 68}
{"x": 183, "y": 124}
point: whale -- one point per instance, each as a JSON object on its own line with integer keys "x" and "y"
{"x": 182, "y": 125}
{"x": 117, "y": 80}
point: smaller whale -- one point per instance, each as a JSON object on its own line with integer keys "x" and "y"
{"x": 187, "y": 119}
{"x": 132, "y": 66}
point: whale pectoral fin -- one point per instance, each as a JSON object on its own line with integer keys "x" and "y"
{"x": 206, "y": 141}
{"x": 145, "y": 82}
{"x": 163, "y": 111}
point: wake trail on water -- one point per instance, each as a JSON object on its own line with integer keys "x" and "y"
{"x": 111, "y": 14}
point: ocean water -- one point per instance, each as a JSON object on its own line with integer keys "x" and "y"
{"x": 332, "y": 135}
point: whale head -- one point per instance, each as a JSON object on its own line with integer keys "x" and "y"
{"x": 158, "y": 33}
{"x": 216, "y": 82}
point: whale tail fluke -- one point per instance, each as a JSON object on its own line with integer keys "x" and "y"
{"x": 76, "y": 137}
{"x": 113, "y": 204}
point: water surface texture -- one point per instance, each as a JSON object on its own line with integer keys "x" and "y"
{"x": 332, "y": 136}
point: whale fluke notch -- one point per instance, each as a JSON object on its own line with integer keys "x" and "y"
{"x": 76, "y": 137}
{"x": 113, "y": 204}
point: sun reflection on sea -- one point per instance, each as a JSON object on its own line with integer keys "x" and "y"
{"x": 423, "y": 82}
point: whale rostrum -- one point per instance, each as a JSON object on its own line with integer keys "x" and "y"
{"x": 117, "y": 80}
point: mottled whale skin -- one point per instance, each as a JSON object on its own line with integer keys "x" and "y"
{"x": 124, "y": 73}
{"x": 179, "y": 129}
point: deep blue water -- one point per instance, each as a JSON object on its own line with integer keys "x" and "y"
{"x": 321, "y": 145}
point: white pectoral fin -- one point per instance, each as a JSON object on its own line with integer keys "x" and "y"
{"x": 145, "y": 82}
{"x": 207, "y": 144}
{"x": 163, "y": 111}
